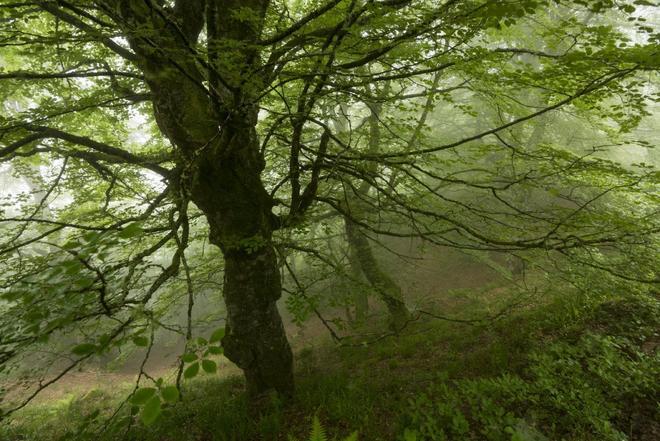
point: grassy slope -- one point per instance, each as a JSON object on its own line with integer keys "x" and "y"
{"x": 429, "y": 383}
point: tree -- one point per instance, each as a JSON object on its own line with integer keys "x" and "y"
{"x": 241, "y": 148}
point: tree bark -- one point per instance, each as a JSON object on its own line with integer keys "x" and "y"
{"x": 255, "y": 338}
{"x": 360, "y": 295}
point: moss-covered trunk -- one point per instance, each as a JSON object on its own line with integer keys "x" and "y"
{"x": 208, "y": 110}
{"x": 255, "y": 339}
{"x": 360, "y": 252}
{"x": 227, "y": 187}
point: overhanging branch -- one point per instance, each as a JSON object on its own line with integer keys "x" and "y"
{"x": 41, "y": 132}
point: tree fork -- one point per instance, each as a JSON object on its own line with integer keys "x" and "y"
{"x": 220, "y": 166}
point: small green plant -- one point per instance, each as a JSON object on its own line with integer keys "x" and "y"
{"x": 148, "y": 401}
{"x": 318, "y": 433}
{"x": 199, "y": 351}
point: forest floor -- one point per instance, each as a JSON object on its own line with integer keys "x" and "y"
{"x": 551, "y": 368}
{"x": 461, "y": 282}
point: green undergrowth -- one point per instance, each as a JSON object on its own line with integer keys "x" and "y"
{"x": 567, "y": 369}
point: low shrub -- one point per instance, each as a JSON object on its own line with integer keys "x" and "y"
{"x": 594, "y": 386}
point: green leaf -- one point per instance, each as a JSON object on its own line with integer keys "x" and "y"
{"x": 209, "y": 366}
{"x": 91, "y": 236}
{"x": 131, "y": 230}
{"x": 71, "y": 268}
{"x": 84, "y": 349}
{"x": 142, "y": 395}
{"x": 151, "y": 411}
{"x": 170, "y": 394}
{"x": 140, "y": 341}
{"x": 202, "y": 341}
{"x": 191, "y": 371}
{"x": 189, "y": 357}
{"x": 216, "y": 350}
{"x": 217, "y": 335}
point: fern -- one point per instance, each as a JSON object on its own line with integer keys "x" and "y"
{"x": 318, "y": 433}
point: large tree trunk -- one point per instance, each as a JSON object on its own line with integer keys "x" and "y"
{"x": 227, "y": 187}
{"x": 209, "y": 114}
{"x": 255, "y": 339}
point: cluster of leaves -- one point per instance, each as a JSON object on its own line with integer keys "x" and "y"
{"x": 77, "y": 276}
{"x": 148, "y": 401}
{"x": 199, "y": 352}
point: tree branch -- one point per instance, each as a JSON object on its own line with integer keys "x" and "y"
{"x": 42, "y": 132}
{"x": 79, "y": 24}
